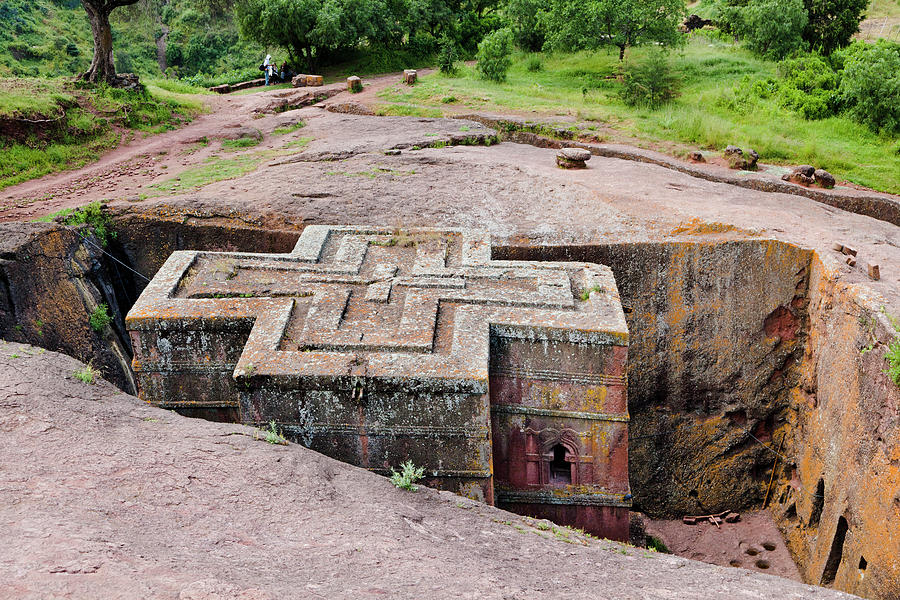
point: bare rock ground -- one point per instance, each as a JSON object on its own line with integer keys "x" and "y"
{"x": 102, "y": 496}
{"x": 752, "y": 543}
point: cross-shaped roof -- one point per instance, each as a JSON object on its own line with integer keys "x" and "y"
{"x": 350, "y": 301}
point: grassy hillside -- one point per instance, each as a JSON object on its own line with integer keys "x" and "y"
{"x": 75, "y": 124}
{"x": 51, "y": 38}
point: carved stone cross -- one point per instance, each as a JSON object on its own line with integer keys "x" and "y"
{"x": 377, "y": 346}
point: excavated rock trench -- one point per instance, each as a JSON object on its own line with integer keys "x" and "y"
{"x": 739, "y": 345}
{"x": 736, "y": 347}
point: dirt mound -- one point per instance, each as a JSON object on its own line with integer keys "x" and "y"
{"x": 103, "y": 496}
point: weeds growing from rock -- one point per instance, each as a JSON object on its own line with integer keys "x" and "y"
{"x": 100, "y": 318}
{"x": 273, "y": 435}
{"x": 87, "y": 374}
{"x": 408, "y": 476}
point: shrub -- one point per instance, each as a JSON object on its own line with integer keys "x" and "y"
{"x": 408, "y": 476}
{"x": 870, "y": 86}
{"x": 447, "y": 56}
{"x": 494, "y": 55}
{"x": 773, "y": 28}
{"x": 650, "y": 83}
{"x": 100, "y": 318}
{"x": 809, "y": 86}
{"x": 534, "y": 64}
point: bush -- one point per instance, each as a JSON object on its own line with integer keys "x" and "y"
{"x": 447, "y": 56}
{"x": 494, "y": 55}
{"x": 808, "y": 85}
{"x": 870, "y": 85}
{"x": 534, "y": 64}
{"x": 650, "y": 83}
{"x": 773, "y": 28}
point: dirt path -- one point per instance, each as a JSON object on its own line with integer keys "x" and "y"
{"x": 123, "y": 172}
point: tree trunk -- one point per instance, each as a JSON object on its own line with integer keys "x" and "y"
{"x": 621, "y": 52}
{"x": 102, "y": 67}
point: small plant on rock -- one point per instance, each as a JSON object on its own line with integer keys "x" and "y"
{"x": 87, "y": 374}
{"x": 892, "y": 356}
{"x": 100, "y": 318}
{"x": 408, "y": 476}
{"x": 273, "y": 435}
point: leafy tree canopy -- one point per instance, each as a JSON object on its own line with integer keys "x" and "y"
{"x": 589, "y": 24}
{"x": 832, "y": 23}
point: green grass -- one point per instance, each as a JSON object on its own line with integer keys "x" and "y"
{"x": 239, "y": 144}
{"x": 707, "y": 115}
{"x": 407, "y": 110}
{"x": 289, "y": 128}
{"x": 213, "y": 169}
{"x": 87, "y": 374}
{"x": 298, "y": 143}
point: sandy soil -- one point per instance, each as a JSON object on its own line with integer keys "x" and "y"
{"x": 105, "y": 497}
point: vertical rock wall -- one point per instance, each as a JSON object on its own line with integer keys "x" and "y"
{"x": 838, "y": 502}
{"x": 50, "y": 284}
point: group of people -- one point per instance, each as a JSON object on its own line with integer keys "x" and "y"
{"x": 283, "y": 73}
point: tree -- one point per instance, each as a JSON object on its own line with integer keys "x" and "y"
{"x": 102, "y": 66}
{"x": 494, "y": 55}
{"x": 773, "y": 28}
{"x": 310, "y": 28}
{"x": 589, "y": 24}
{"x": 524, "y": 17}
{"x": 832, "y": 23}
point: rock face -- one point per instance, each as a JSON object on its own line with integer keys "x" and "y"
{"x": 573, "y": 158}
{"x": 52, "y": 279}
{"x": 108, "y": 476}
{"x": 516, "y": 396}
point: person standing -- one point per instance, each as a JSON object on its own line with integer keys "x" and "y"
{"x": 269, "y": 67}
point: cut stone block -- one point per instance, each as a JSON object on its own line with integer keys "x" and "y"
{"x": 314, "y": 80}
{"x": 299, "y": 80}
{"x": 410, "y": 76}
{"x": 505, "y": 380}
{"x": 573, "y": 158}
{"x": 354, "y": 84}
{"x": 874, "y": 271}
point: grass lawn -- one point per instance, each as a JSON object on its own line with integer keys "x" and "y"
{"x": 708, "y": 114}
{"x": 83, "y": 123}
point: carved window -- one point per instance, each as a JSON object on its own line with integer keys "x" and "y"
{"x": 560, "y": 466}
